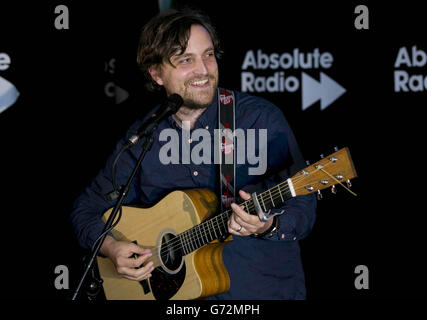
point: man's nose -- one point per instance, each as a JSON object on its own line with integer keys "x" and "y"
{"x": 201, "y": 67}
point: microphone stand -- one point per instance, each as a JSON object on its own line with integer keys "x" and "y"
{"x": 123, "y": 194}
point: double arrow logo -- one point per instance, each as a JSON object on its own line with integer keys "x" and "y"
{"x": 327, "y": 91}
{"x": 8, "y": 94}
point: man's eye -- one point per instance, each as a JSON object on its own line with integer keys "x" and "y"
{"x": 184, "y": 61}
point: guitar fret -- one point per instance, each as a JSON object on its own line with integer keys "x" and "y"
{"x": 202, "y": 239}
{"x": 185, "y": 244}
{"x": 224, "y": 229}
{"x": 278, "y": 187}
{"x": 213, "y": 227}
{"x": 187, "y": 235}
{"x": 182, "y": 245}
{"x": 209, "y": 229}
{"x": 272, "y": 201}
{"x": 197, "y": 240}
{"x": 218, "y": 226}
{"x": 190, "y": 242}
{"x": 181, "y": 237}
{"x": 263, "y": 204}
{"x": 224, "y": 223}
{"x": 199, "y": 244}
{"x": 247, "y": 208}
{"x": 194, "y": 239}
{"x": 206, "y": 231}
{"x": 204, "y": 236}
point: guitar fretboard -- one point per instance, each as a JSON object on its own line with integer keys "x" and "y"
{"x": 216, "y": 227}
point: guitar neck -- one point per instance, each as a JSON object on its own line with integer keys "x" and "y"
{"x": 216, "y": 227}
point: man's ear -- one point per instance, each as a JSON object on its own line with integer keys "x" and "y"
{"x": 155, "y": 72}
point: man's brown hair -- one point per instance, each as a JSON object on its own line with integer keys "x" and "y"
{"x": 167, "y": 34}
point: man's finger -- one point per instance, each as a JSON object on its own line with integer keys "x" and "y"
{"x": 134, "y": 248}
{"x": 240, "y": 222}
{"x": 244, "y": 195}
{"x": 243, "y": 215}
{"x": 138, "y": 261}
{"x": 134, "y": 274}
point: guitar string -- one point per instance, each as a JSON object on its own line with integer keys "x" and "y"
{"x": 190, "y": 243}
{"x": 199, "y": 236}
{"x": 192, "y": 238}
{"x": 205, "y": 227}
{"x": 192, "y": 235}
{"x": 295, "y": 181}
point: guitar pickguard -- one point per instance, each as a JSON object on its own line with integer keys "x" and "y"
{"x": 165, "y": 285}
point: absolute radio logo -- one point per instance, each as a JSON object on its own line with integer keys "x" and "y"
{"x": 410, "y": 73}
{"x": 282, "y": 78}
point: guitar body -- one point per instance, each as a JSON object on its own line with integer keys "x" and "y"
{"x": 195, "y": 275}
{"x": 181, "y": 234}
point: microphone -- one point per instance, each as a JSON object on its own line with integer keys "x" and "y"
{"x": 167, "y": 108}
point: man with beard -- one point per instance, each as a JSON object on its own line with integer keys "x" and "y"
{"x": 178, "y": 53}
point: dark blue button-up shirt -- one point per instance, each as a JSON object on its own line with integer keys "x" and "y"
{"x": 258, "y": 268}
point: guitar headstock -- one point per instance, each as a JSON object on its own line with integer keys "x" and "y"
{"x": 334, "y": 169}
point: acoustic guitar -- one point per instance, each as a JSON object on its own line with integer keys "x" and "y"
{"x": 182, "y": 231}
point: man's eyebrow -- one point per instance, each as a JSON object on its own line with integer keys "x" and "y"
{"x": 178, "y": 56}
{"x": 209, "y": 49}
{"x": 188, "y": 54}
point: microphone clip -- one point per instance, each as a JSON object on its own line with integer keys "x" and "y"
{"x": 115, "y": 194}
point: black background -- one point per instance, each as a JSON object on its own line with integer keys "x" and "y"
{"x": 61, "y": 129}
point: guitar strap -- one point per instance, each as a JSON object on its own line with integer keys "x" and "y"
{"x": 226, "y": 141}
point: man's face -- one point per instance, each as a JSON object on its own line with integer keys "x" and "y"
{"x": 195, "y": 75}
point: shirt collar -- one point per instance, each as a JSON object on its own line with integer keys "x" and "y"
{"x": 208, "y": 119}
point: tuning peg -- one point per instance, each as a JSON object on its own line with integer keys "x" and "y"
{"x": 334, "y": 189}
{"x": 319, "y": 195}
{"x": 335, "y": 148}
{"x": 307, "y": 162}
{"x": 348, "y": 182}
{"x": 322, "y": 156}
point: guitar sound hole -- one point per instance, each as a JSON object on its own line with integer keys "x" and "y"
{"x": 170, "y": 252}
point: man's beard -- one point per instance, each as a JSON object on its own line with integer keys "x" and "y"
{"x": 191, "y": 101}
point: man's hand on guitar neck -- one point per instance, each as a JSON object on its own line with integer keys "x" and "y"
{"x": 128, "y": 258}
{"x": 242, "y": 223}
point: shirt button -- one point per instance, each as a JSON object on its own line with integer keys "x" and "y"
{"x": 195, "y": 173}
{"x": 190, "y": 140}
{"x": 207, "y": 127}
